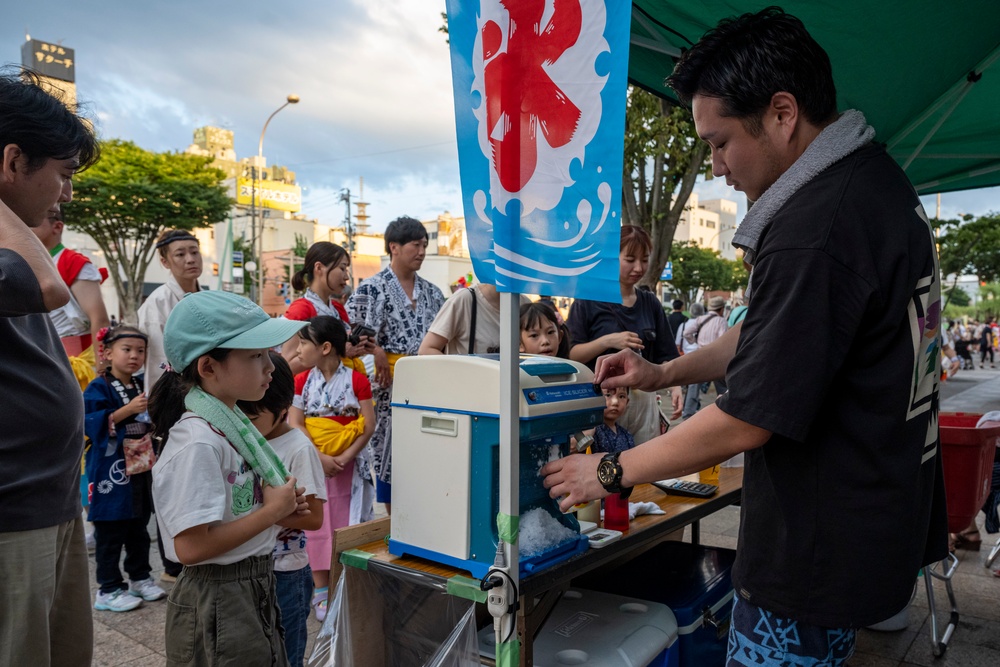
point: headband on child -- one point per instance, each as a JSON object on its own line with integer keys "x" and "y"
{"x": 105, "y": 339}
{"x": 179, "y": 237}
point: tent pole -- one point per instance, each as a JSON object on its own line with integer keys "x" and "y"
{"x": 505, "y": 622}
{"x": 985, "y": 64}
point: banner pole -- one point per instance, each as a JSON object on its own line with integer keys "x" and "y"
{"x": 504, "y": 606}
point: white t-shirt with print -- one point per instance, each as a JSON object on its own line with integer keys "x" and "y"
{"x": 201, "y": 479}
{"x": 301, "y": 459}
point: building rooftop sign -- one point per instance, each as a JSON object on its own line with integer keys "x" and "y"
{"x": 51, "y": 60}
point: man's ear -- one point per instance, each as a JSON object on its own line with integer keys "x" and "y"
{"x": 783, "y": 113}
{"x": 12, "y": 161}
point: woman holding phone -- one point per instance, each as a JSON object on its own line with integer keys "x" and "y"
{"x": 324, "y": 277}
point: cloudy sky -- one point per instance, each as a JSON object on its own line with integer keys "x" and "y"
{"x": 374, "y": 77}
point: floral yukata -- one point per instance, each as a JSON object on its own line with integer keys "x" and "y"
{"x": 348, "y": 503}
{"x": 400, "y": 325}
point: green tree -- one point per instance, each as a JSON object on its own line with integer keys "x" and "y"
{"x": 969, "y": 246}
{"x": 128, "y": 198}
{"x": 698, "y": 268}
{"x": 957, "y": 296}
{"x": 663, "y": 158}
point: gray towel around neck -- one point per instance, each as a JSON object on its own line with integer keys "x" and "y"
{"x": 837, "y": 140}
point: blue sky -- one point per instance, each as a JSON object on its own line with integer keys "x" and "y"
{"x": 374, "y": 77}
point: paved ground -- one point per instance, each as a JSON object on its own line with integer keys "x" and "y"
{"x": 136, "y": 638}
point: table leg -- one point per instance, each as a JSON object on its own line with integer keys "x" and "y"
{"x": 696, "y": 532}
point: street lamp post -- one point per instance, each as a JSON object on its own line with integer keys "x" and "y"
{"x": 291, "y": 99}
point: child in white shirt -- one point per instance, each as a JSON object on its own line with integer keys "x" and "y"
{"x": 294, "y": 581}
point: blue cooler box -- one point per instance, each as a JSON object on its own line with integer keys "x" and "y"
{"x": 694, "y": 581}
{"x": 600, "y": 630}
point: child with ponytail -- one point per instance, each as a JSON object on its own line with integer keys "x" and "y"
{"x": 333, "y": 404}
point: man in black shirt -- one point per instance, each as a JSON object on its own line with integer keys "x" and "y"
{"x": 832, "y": 375}
{"x": 676, "y": 319}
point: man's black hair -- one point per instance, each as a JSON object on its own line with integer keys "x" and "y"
{"x": 40, "y": 124}
{"x": 744, "y": 61}
{"x": 402, "y": 230}
{"x": 677, "y": 304}
{"x": 280, "y": 392}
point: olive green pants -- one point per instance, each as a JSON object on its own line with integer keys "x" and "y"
{"x": 220, "y": 615}
{"x": 45, "y": 616}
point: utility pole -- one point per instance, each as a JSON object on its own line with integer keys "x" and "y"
{"x": 345, "y": 196}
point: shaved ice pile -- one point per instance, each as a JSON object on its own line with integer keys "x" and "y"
{"x": 540, "y": 531}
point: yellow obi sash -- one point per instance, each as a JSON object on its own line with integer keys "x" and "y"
{"x": 354, "y": 363}
{"x": 83, "y": 367}
{"x": 331, "y": 437}
{"x": 393, "y": 357}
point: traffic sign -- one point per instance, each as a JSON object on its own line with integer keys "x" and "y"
{"x": 238, "y": 265}
{"x": 668, "y": 272}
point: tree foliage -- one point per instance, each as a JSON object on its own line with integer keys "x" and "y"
{"x": 969, "y": 246}
{"x": 957, "y": 296}
{"x": 128, "y": 198}
{"x": 663, "y": 158}
{"x": 697, "y": 268}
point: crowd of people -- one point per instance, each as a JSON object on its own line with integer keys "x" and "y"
{"x": 250, "y": 459}
{"x": 963, "y": 341}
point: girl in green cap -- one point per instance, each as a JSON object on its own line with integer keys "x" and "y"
{"x": 220, "y": 491}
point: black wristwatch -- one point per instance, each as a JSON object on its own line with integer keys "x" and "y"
{"x": 609, "y": 474}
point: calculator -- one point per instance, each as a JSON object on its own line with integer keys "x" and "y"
{"x": 678, "y": 487}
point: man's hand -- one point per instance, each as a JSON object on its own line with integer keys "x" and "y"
{"x": 627, "y": 369}
{"x": 383, "y": 372}
{"x": 573, "y": 479}
{"x": 365, "y": 346}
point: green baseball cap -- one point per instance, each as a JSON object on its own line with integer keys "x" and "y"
{"x": 204, "y": 321}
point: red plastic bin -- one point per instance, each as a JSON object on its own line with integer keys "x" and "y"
{"x": 967, "y": 457}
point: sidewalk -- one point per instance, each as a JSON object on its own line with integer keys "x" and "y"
{"x": 136, "y": 638}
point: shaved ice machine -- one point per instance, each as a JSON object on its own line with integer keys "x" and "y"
{"x": 446, "y": 464}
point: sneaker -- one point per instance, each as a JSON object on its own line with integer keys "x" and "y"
{"x": 319, "y": 603}
{"x": 168, "y": 578}
{"x": 146, "y": 589}
{"x": 117, "y": 600}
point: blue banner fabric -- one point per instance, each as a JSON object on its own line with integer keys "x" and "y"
{"x": 540, "y": 113}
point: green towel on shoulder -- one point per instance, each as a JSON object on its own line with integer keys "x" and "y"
{"x": 247, "y": 440}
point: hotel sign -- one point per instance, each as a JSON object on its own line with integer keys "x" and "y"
{"x": 270, "y": 194}
{"x": 52, "y": 60}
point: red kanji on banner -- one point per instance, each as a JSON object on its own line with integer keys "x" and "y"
{"x": 521, "y": 98}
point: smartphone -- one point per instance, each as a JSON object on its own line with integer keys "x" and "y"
{"x": 358, "y": 331}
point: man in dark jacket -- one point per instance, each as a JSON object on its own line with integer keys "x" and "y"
{"x": 833, "y": 374}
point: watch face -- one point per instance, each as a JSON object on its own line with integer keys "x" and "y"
{"x": 606, "y": 472}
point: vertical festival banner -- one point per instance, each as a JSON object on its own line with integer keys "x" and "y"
{"x": 540, "y": 93}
